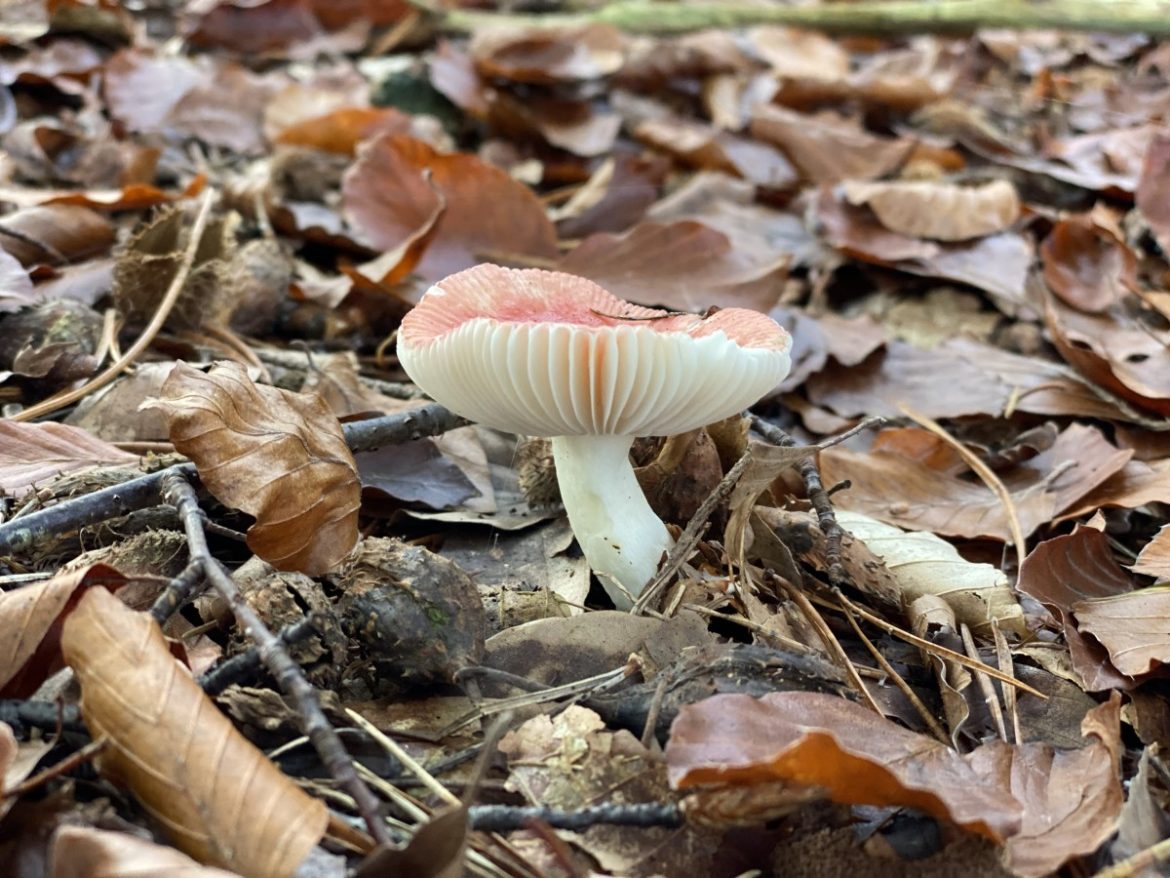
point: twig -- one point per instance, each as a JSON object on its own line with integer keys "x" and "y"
{"x": 178, "y": 492}
{"x": 74, "y": 759}
{"x": 817, "y": 495}
{"x": 242, "y": 667}
{"x": 22, "y": 534}
{"x": 985, "y": 474}
{"x": 864, "y": 16}
{"x": 43, "y": 715}
{"x": 1139, "y": 862}
{"x": 505, "y": 818}
{"x": 60, "y": 400}
{"x": 690, "y": 536}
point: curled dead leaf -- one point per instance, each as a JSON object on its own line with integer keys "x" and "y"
{"x": 978, "y": 594}
{"x": 278, "y": 456}
{"x": 218, "y": 797}
{"x": 942, "y": 211}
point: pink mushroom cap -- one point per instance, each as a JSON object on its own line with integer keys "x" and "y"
{"x": 545, "y": 353}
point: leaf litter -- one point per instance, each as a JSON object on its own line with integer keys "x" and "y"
{"x": 216, "y": 215}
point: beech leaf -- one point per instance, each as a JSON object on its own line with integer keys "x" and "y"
{"x": 279, "y": 456}
{"x": 942, "y": 211}
{"x": 216, "y": 795}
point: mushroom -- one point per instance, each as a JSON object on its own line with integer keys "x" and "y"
{"x": 545, "y": 353}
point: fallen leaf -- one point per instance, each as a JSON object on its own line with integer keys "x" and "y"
{"x": 547, "y": 56}
{"x": 1139, "y": 482}
{"x": 52, "y": 234}
{"x": 393, "y": 188}
{"x": 1088, "y": 266}
{"x": 216, "y": 795}
{"x": 1048, "y": 805}
{"x": 341, "y": 131}
{"x": 853, "y": 754}
{"x": 16, "y": 288}
{"x": 978, "y": 594}
{"x": 684, "y": 265}
{"x": 84, "y": 852}
{"x": 278, "y": 456}
{"x": 415, "y": 472}
{"x": 31, "y": 453}
{"x": 1154, "y": 558}
{"x": 30, "y": 621}
{"x": 942, "y": 211}
{"x": 1069, "y": 569}
{"x": 827, "y": 148}
{"x": 1153, "y": 189}
{"x": 707, "y": 147}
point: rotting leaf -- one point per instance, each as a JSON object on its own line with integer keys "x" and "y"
{"x": 942, "y": 211}
{"x": 30, "y": 626}
{"x": 978, "y": 594}
{"x": 278, "y": 456}
{"x": 31, "y": 453}
{"x": 217, "y": 796}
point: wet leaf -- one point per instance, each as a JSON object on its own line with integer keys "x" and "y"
{"x": 217, "y": 796}
{"x": 278, "y": 456}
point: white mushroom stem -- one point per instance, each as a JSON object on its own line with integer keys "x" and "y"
{"x": 623, "y": 540}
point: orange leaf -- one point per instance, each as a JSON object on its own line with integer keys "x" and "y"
{"x": 278, "y": 456}
{"x": 342, "y": 130}
{"x": 216, "y": 795}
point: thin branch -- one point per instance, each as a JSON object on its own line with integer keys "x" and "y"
{"x": 505, "y": 818}
{"x": 864, "y": 16}
{"x": 179, "y": 493}
{"x": 22, "y": 534}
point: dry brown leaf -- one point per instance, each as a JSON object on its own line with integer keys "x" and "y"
{"x": 942, "y": 211}
{"x": 685, "y": 265}
{"x": 978, "y": 594}
{"x": 1124, "y": 355}
{"x": 707, "y": 147}
{"x": 83, "y": 852}
{"x": 1139, "y": 482}
{"x": 828, "y": 148}
{"x": 31, "y": 453}
{"x": 1134, "y": 628}
{"x": 547, "y": 56}
{"x": 394, "y": 187}
{"x": 1154, "y": 559}
{"x": 1069, "y": 569}
{"x": 1153, "y": 189}
{"x": 278, "y": 456}
{"x": 30, "y": 626}
{"x": 217, "y": 796}
{"x": 340, "y": 131}
{"x": 52, "y": 234}
{"x": 1087, "y": 265}
{"x": 1049, "y": 805}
